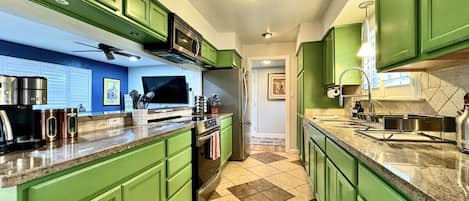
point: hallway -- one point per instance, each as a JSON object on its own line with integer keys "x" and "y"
{"x": 264, "y": 176}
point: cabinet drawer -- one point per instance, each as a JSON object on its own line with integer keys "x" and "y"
{"x": 317, "y": 136}
{"x": 128, "y": 164}
{"x": 177, "y": 182}
{"x": 225, "y": 122}
{"x": 371, "y": 187}
{"x": 179, "y": 142}
{"x": 179, "y": 161}
{"x": 346, "y": 163}
{"x": 185, "y": 194}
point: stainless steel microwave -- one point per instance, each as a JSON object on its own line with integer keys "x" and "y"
{"x": 183, "y": 45}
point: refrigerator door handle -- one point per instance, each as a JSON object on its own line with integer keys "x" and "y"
{"x": 245, "y": 93}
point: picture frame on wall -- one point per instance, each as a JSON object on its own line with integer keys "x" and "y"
{"x": 276, "y": 86}
{"x": 111, "y": 92}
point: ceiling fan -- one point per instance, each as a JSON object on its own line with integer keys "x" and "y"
{"x": 109, "y": 51}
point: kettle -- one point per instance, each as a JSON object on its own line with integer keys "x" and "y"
{"x": 462, "y": 129}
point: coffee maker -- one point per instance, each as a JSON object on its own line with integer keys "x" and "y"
{"x": 17, "y": 119}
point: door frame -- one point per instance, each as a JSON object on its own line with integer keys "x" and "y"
{"x": 288, "y": 130}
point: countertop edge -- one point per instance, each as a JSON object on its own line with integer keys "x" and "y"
{"x": 410, "y": 190}
{"x": 30, "y": 175}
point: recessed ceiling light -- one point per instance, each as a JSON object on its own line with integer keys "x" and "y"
{"x": 267, "y": 35}
{"x": 266, "y": 62}
{"x": 134, "y": 58}
{"x": 63, "y": 2}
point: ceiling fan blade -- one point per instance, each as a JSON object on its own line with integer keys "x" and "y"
{"x": 87, "y": 51}
{"x": 109, "y": 55}
{"x": 88, "y": 45}
{"x": 109, "y": 48}
{"x": 128, "y": 55}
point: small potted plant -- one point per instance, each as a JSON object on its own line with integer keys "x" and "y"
{"x": 215, "y": 103}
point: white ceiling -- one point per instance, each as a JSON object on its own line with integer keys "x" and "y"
{"x": 250, "y": 18}
{"x": 20, "y": 30}
{"x": 268, "y": 63}
{"x": 351, "y": 13}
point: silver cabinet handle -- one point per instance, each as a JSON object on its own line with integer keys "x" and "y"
{"x": 197, "y": 50}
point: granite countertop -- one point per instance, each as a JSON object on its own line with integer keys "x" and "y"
{"x": 422, "y": 171}
{"x": 20, "y": 167}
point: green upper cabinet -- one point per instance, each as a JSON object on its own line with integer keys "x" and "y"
{"x": 142, "y": 21}
{"x": 112, "y": 195}
{"x": 300, "y": 93}
{"x": 299, "y": 57}
{"x": 209, "y": 54}
{"x": 158, "y": 20}
{"x": 228, "y": 59}
{"x": 396, "y": 37}
{"x": 149, "y": 185}
{"x": 138, "y": 10}
{"x": 443, "y": 23}
{"x": 341, "y": 46}
{"x": 111, "y": 5}
{"x": 311, "y": 91}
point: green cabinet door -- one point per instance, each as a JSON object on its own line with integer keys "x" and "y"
{"x": 396, "y": 36}
{"x": 158, "y": 20}
{"x": 443, "y": 23}
{"x": 209, "y": 53}
{"x": 138, "y": 10}
{"x": 112, "y": 195}
{"x": 320, "y": 193}
{"x": 344, "y": 190}
{"x": 372, "y": 188}
{"x": 226, "y": 144}
{"x": 148, "y": 186}
{"x": 109, "y": 5}
{"x": 347, "y": 43}
{"x": 331, "y": 181}
{"x": 312, "y": 165}
{"x": 329, "y": 64}
{"x": 228, "y": 59}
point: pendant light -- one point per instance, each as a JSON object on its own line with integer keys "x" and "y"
{"x": 366, "y": 49}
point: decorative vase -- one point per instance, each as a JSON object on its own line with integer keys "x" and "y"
{"x": 215, "y": 110}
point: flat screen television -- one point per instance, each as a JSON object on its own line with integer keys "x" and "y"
{"x": 168, "y": 89}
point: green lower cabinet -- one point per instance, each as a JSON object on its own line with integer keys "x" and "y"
{"x": 312, "y": 166}
{"x": 184, "y": 194}
{"x": 372, "y": 188}
{"x": 176, "y": 182}
{"x": 345, "y": 190}
{"x": 114, "y": 194}
{"x": 226, "y": 136}
{"x": 320, "y": 193}
{"x": 149, "y": 185}
{"x": 331, "y": 181}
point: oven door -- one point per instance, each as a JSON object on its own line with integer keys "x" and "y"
{"x": 186, "y": 41}
{"x": 207, "y": 167}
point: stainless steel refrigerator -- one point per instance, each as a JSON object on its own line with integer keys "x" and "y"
{"x": 232, "y": 87}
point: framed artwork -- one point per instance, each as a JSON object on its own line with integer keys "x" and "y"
{"x": 112, "y": 91}
{"x": 277, "y": 87}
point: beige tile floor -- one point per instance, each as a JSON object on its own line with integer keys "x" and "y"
{"x": 285, "y": 174}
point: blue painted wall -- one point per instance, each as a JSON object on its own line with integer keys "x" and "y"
{"x": 100, "y": 70}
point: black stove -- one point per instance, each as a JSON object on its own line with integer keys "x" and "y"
{"x": 204, "y": 124}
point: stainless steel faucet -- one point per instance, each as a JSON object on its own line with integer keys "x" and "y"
{"x": 371, "y": 107}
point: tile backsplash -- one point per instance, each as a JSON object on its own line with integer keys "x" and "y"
{"x": 444, "y": 89}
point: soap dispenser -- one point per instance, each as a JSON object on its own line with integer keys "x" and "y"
{"x": 462, "y": 127}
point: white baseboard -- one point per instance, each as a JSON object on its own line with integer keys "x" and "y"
{"x": 269, "y": 135}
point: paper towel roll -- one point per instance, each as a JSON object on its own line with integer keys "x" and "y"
{"x": 332, "y": 92}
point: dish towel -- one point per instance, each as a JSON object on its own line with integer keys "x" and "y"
{"x": 215, "y": 153}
